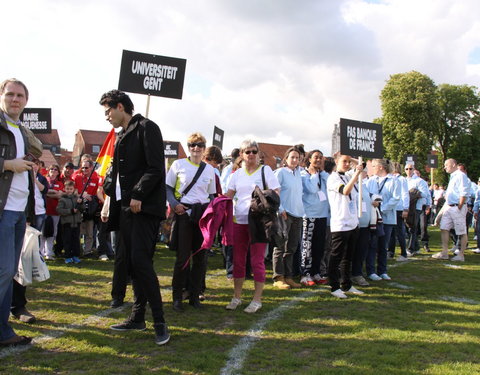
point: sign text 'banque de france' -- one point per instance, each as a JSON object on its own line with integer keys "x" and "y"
{"x": 358, "y": 138}
{"x": 142, "y": 73}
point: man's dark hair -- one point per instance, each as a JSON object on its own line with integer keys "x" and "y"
{"x": 213, "y": 153}
{"x": 113, "y": 97}
{"x": 328, "y": 164}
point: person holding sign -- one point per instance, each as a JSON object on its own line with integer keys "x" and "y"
{"x": 136, "y": 187}
{"x": 343, "y": 196}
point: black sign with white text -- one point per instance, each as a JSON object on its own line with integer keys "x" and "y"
{"x": 38, "y": 120}
{"x": 432, "y": 160}
{"x": 218, "y": 137}
{"x": 358, "y": 138}
{"x": 170, "y": 149}
{"x": 142, "y": 73}
{"x": 410, "y": 159}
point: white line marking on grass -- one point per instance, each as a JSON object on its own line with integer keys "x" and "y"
{"x": 400, "y": 286}
{"x": 60, "y": 331}
{"x": 240, "y": 351}
{"x": 459, "y": 299}
{"x": 455, "y": 266}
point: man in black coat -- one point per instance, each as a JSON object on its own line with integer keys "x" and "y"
{"x": 136, "y": 186}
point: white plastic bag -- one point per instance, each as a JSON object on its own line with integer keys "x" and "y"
{"x": 31, "y": 266}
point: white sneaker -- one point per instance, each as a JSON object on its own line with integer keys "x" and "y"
{"x": 234, "y": 303}
{"x": 307, "y": 281}
{"x": 456, "y": 252}
{"x": 458, "y": 258}
{"x": 354, "y": 290}
{"x": 453, "y": 249}
{"x": 476, "y": 251}
{"x": 339, "y": 294}
{"x": 374, "y": 277}
{"x": 103, "y": 257}
{"x": 253, "y": 307}
{"x": 384, "y": 276}
{"x": 359, "y": 280}
{"x": 401, "y": 258}
{"x": 440, "y": 256}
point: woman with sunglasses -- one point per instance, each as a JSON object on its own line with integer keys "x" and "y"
{"x": 55, "y": 191}
{"x": 240, "y": 188}
{"x": 185, "y": 197}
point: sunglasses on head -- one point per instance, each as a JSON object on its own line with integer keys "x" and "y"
{"x": 254, "y": 152}
{"x": 196, "y": 144}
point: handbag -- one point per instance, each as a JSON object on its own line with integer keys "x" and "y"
{"x": 29, "y": 267}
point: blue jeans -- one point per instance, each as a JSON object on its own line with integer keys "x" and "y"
{"x": 378, "y": 250}
{"x": 12, "y": 232}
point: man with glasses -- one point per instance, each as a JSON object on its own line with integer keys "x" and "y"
{"x": 136, "y": 186}
{"x": 416, "y": 183}
{"x": 455, "y": 212}
{"x": 86, "y": 183}
{"x": 18, "y": 147}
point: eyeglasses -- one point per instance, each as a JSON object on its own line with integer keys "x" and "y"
{"x": 196, "y": 144}
{"x": 254, "y": 152}
{"x": 54, "y": 169}
{"x": 85, "y": 167}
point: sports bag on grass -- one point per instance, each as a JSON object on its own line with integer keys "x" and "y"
{"x": 31, "y": 266}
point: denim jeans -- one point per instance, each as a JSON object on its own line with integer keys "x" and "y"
{"x": 12, "y": 232}
{"x": 378, "y": 251}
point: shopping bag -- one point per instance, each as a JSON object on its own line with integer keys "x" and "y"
{"x": 25, "y": 266}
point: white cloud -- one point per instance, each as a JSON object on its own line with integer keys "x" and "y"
{"x": 275, "y": 70}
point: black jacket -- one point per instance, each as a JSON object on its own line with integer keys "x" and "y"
{"x": 262, "y": 215}
{"x": 139, "y": 164}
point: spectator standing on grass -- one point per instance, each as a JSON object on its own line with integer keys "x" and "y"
{"x": 476, "y": 210}
{"x": 86, "y": 184}
{"x": 16, "y": 195}
{"x": 424, "y": 214}
{"x": 240, "y": 188}
{"x": 399, "y": 231}
{"x": 454, "y": 211}
{"x": 19, "y": 298}
{"x": 190, "y": 183}
{"x": 385, "y": 189}
{"x": 67, "y": 172}
{"x": 342, "y": 198}
{"x": 137, "y": 205}
{"x": 317, "y": 210}
{"x": 70, "y": 207}
{"x": 55, "y": 191}
{"x": 292, "y": 211}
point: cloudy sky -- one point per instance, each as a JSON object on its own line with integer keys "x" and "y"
{"x": 279, "y": 71}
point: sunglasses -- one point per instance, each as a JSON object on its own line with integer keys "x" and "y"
{"x": 197, "y": 144}
{"x": 85, "y": 167}
{"x": 408, "y": 169}
{"x": 254, "y": 152}
{"x": 54, "y": 169}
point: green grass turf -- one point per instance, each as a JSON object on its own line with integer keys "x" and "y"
{"x": 389, "y": 330}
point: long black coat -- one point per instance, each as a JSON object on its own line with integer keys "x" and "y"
{"x": 139, "y": 163}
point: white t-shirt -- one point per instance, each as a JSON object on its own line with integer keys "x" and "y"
{"x": 243, "y": 184}
{"x": 182, "y": 172}
{"x": 343, "y": 208}
{"x": 18, "y": 194}
{"x": 39, "y": 202}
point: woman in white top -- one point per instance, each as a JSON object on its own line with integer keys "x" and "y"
{"x": 240, "y": 188}
{"x": 179, "y": 177}
{"x": 342, "y": 197}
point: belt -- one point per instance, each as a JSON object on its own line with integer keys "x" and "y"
{"x": 453, "y": 205}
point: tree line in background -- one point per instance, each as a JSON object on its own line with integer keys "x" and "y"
{"x": 419, "y": 116}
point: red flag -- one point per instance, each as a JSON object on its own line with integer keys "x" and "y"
{"x": 105, "y": 156}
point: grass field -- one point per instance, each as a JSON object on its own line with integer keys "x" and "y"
{"x": 425, "y": 321}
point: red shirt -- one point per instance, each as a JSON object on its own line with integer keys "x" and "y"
{"x": 52, "y": 203}
{"x": 81, "y": 180}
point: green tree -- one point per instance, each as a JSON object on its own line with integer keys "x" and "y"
{"x": 459, "y": 107}
{"x": 410, "y": 116}
{"x": 465, "y": 149}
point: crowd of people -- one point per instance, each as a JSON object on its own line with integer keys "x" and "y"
{"x": 319, "y": 220}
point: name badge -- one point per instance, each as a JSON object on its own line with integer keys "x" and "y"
{"x": 351, "y": 208}
{"x": 322, "y": 196}
{"x": 364, "y": 206}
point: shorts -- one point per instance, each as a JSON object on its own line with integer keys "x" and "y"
{"x": 453, "y": 218}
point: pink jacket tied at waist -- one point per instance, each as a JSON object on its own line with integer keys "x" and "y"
{"x": 219, "y": 213}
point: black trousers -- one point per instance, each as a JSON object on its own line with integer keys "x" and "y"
{"x": 120, "y": 269}
{"x": 139, "y": 236}
{"x": 341, "y": 255}
{"x": 189, "y": 241}
{"x": 71, "y": 240}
